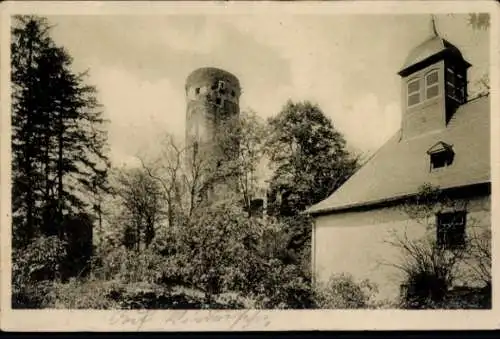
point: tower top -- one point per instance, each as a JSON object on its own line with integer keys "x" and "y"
{"x": 211, "y": 74}
{"x": 434, "y": 48}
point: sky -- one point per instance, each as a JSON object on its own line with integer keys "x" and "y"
{"x": 347, "y": 64}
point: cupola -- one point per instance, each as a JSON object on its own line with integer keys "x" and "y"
{"x": 434, "y": 85}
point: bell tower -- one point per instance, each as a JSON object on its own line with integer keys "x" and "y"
{"x": 434, "y": 85}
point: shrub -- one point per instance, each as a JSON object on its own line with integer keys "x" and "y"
{"x": 34, "y": 267}
{"x": 84, "y": 294}
{"x": 342, "y": 292}
{"x": 283, "y": 287}
{"x": 429, "y": 271}
{"x": 423, "y": 289}
{"x": 99, "y": 294}
{"x": 129, "y": 266}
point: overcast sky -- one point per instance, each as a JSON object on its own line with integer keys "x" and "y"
{"x": 347, "y": 64}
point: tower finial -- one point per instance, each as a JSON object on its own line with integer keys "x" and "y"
{"x": 433, "y": 25}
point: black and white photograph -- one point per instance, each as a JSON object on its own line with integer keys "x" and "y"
{"x": 232, "y": 163}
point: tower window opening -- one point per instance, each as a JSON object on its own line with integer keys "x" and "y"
{"x": 221, "y": 85}
{"x": 413, "y": 92}
{"x": 197, "y": 90}
{"x": 218, "y": 101}
{"x": 432, "y": 85}
{"x": 455, "y": 85}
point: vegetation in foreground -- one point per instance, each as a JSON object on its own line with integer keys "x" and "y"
{"x": 90, "y": 236}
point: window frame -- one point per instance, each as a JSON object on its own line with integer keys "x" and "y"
{"x": 445, "y": 155}
{"x": 418, "y": 91}
{"x": 455, "y": 83}
{"x": 433, "y": 85}
{"x": 443, "y": 239}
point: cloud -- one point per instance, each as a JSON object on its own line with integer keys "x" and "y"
{"x": 346, "y": 64}
{"x": 141, "y": 111}
{"x": 368, "y": 123}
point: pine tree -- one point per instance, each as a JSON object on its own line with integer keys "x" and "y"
{"x": 58, "y": 141}
{"x": 29, "y": 39}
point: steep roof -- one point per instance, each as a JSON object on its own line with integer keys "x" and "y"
{"x": 400, "y": 167}
{"x": 431, "y": 48}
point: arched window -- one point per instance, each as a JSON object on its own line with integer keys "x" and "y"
{"x": 413, "y": 92}
{"x": 432, "y": 84}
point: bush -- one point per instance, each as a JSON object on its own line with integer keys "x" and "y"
{"x": 84, "y": 294}
{"x": 34, "y": 268}
{"x": 423, "y": 289}
{"x": 283, "y": 287}
{"x": 129, "y": 266}
{"x": 342, "y": 292}
{"x": 99, "y": 294}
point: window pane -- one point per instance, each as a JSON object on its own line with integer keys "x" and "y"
{"x": 413, "y": 86}
{"x": 451, "y": 230}
{"x": 413, "y": 99}
{"x": 450, "y": 90}
{"x": 451, "y": 76}
{"x": 432, "y": 78}
{"x": 432, "y": 91}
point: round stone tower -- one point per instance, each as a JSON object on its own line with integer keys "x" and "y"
{"x": 212, "y": 97}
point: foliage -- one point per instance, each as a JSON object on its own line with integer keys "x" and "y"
{"x": 283, "y": 286}
{"x": 478, "y": 254}
{"x": 342, "y": 292}
{"x": 431, "y": 270}
{"x": 84, "y": 294}
{"x": 111, "y": 294}
{"x": 128, "y": 266}
{"x": 58, "y": 143}
{"x": 310, "y": 162}
{"x": 480, "y": 21}
{"x": 33, "y": 269}
{"x": 213, "y": 248}
{"x": 140, "y": 198}
{"x": 242, "y": 143}
{"x": 309, "y": 156}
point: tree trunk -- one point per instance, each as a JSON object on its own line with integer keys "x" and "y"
{"x": 29, "y": 149}
{"x": 60, "y": 174}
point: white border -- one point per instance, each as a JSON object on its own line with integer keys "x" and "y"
{"x": 52, "y": 320}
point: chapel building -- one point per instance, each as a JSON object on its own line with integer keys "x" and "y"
{"x": 444, "y": 142}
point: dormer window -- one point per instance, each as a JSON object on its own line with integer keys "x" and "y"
{"x": 413, "y": 92}
{"x": 441, "y": 155}
{"x": 432, "y": 84}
